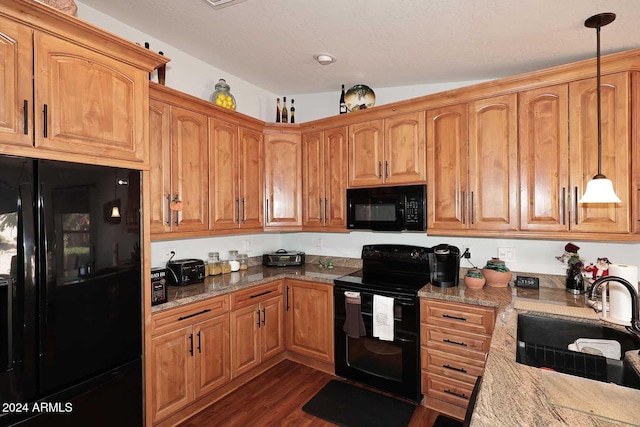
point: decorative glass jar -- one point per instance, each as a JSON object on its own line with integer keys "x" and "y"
{"x": 222, "y": 97}
{"x": 244, "y": 261}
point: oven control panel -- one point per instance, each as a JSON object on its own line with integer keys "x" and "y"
{"x": 395, "y": 252}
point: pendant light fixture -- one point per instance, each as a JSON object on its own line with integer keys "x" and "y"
{"x": 599, "y": 189}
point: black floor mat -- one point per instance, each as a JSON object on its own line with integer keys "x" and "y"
{"x": 351, "y": 406}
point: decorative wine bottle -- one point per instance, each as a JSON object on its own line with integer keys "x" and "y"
{"x": 277, "y": 110}
{"x": 292, "y": 111}
{"x": 343, "y": 105}
{"x": 285, "y": 113}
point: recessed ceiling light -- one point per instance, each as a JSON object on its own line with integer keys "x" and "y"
{"x": 220, "y": 4}
{"x": 325, "y": 58}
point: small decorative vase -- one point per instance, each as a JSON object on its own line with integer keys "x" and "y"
{"x": 496, "y": 273}
{"x": 222, "y": 97}
{"x": 474, "y": 279}
{"x": 359, "y": 97}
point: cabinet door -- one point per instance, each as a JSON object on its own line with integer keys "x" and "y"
{"x": 189, "y": 169}
{"x": 245, "y": 339}
{"x": 172, "y": 365}
{"x": 223, "y": 182}
{"x": 447, "y": 168}
{"x": 335, "y": 181}
{"x": 493, "y": 167}
{"x": 544, "y": 158}
{"x": 16, "y": 95}
{"x": 88, "y": 103}
{"x": 212, "y": 363}
{"x": 283, "y": 176}
{"x": 251, "y": 179}
{"x": 310, "y": 319}
{"x": 583, "y": 150}
{"x": 313, "y": 179}
{"x": 366, "y": 154}
{"x": 272, "y": 328}
{"x": 160, "y": 165}
{"x": 404, "y": 149}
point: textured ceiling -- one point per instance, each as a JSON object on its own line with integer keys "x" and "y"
{"x": 271, "y": 43}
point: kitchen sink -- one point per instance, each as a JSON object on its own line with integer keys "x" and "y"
{"x": 543, "y": 341}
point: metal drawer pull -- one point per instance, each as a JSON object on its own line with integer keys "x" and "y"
{"x": 448, "y": 316}
{"x": 195, "y": 314}
{"x": 260, "y": 294}
{"x": 454, "y": 342}
{"x": 455, "y": 369}
{"x": 462, "y": 395}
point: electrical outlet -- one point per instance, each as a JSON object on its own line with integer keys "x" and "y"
{"x": 247, "y": 246}
{"x": 507, "y": 254}
{"x": 319, "y": 244}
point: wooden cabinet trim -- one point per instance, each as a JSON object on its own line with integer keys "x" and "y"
{"x": 256, "y": 294}
{"x": 189, "y": 314}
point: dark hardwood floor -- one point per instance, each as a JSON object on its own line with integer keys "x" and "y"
{"x": 276, "y": 398}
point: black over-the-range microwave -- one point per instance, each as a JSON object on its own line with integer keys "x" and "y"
{"x": 399, "y": 208}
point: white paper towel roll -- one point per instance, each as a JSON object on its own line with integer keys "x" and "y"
{"x": 619, "y": 298}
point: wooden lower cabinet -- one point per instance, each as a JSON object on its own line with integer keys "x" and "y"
{"x": 257, "y": 326}
{"x": 455, "y": 340}
{"x": 189, "y": 354}
{"x": 309, "y": 307}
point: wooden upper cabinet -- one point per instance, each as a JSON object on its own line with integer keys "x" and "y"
{"x": 16, "y": 95}
{"x": 404, "y": 149}
{"x": 616, "y": 148}
{"x": 189, "y": 169}
{"x": 447, "y": 167}
{"x": 493, "y": 169}
{"x": 160, "y": 165}
{"x": 324, "y": 179}
{"x": 544, "y": 158}
{"x": 88, "y": 103}
{"x": 366, "y": 153}
{"x": 283, "y": 180}
{"x": 251, "y": 177}
{"x": 235, "y": 180}
{"x": 224, "y": 201}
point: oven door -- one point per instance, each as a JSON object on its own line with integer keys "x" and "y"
{"x": 392, "y": 366}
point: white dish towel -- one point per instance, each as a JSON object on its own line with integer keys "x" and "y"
{"x": 383, "y": 317}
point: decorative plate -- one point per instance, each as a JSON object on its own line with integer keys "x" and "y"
{"x": 359, "y": 97}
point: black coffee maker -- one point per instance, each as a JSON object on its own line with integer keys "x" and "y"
{"x": 444, "y": 265}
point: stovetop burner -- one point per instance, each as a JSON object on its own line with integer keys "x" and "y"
{"x": 407, "y": 284}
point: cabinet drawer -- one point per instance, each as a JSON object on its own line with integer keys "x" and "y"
{"x": 188, "y": 314}
{"x": 451, "y": 365}
{"x": 446, "y": 389}
{"x": 255, "y": 294}
{"x": 466, "y": 317}
{"x": 474, "y": 346}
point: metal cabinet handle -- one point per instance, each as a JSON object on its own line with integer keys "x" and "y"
{"x": 320, "y": 207}
{"x": 267, "y": 210}
{"x": 287, "y": 297}
{"x": 325, "y": 211}
{"x": 575, "y": 202}
{"x": 264, "y": 316}
{"x": 244, "y": 212}
{"x": 455, "y": 369}
{"x": 191, "y": 344}
{"x": 260, "y": 294}
{"x": 386, "y": 169}
{"x": 199, "y": 343}
{"x": 454, "y": 342}
{"x": 563, "y": 205}
{"x": 379, "y": 169}
{"x": 463, "y": 201}
{"x": 258, "y": 313}
{"x": 448, "y": 316}
{"x": 25, "y": 115}
{"x": 45, "y": 113}
{"x": 473, "y": 209}
{"x": 206, "y": 310}
{"x": 168, "y": 209}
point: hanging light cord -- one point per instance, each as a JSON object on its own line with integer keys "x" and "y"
{"x": 598, "y": 101}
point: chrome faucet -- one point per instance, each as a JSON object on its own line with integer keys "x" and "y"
{"x": 635, "y": 309}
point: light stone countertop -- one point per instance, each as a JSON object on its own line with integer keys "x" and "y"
{"x": 253, "y": 276}
{"x": 513, "y": 394}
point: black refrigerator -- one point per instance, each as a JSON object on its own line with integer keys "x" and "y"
{"x": 70, "y": 294}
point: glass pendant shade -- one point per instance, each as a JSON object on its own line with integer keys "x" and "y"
{"x": 600, "y": 190}
{"x": 115, "y": 212}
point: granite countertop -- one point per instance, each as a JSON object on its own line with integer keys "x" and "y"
{"x": 253, "y": 276}
{"x": 513, "y": 394}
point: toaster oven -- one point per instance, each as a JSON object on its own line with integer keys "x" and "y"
{"x": 184, "y": 272}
